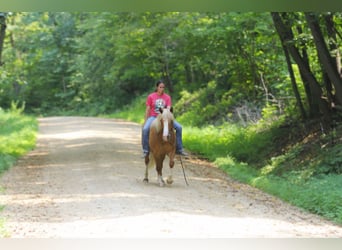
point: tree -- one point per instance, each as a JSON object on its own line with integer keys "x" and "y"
{"x": 2, "y": 33}
{"x": 287, "y": 38}
{"x": 213, "y": 63}
{"x": 328, "y": 64}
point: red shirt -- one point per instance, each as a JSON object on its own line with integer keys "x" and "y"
{"x": 155, "y": 101}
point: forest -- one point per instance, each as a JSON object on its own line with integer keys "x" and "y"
{"x": 230, "y": 65}
{"x": 262, "y": 89}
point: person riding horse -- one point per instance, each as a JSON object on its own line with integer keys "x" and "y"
{"x": 154, "y": 102}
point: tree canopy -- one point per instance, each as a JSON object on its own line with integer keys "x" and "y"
{"x": 224, "y": 66}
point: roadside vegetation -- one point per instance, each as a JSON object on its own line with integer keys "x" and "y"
{"x": 17, "y": 136}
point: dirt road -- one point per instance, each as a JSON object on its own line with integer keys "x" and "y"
{"x": 84, "y": 180}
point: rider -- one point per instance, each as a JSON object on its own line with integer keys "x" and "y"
{"x": 154, "y": 101}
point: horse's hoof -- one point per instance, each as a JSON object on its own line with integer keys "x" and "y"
{"x": 161, "y": 183}
{"x": 169, "y": 181}
{"x": 145, "y": 180}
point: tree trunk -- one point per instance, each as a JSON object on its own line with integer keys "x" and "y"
{"x": 166, "y": 71}
{"x": 167, "y": 78}
{"x": 286, "y": 35}
{"x": 294, "y": 84}
{"x": 333, "y": 45}
{"x": 312, "y": 105}
{"x": 2, "y": 33}
{"x": 324, "y": 55}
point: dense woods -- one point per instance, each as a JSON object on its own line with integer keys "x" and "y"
{"x": 226, "y": 66}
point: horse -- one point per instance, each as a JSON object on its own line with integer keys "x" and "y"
{"x": 162, "y": 142}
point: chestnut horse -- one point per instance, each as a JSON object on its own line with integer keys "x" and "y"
{"x": 162, "y": 142}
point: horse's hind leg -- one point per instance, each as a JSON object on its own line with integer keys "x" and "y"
{"x": 147, "y": 160}
{"x": 159, "y": 167}
{"x": 146, "y": 175}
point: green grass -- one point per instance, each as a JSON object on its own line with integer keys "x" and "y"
{"x": 134, "y": 112}
{"x": 247, "y": 144}
{"x": 17, "y": 136}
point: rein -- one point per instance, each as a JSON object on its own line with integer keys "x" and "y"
{"x": 186, "y": 181}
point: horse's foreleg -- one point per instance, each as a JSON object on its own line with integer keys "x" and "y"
{"x": 161, "y": 181}
{"x": 169, "y": 179}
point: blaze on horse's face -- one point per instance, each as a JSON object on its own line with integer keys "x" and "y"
{"x": 167, "y": 122}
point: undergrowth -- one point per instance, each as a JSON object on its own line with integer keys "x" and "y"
{"x": 17, "y": 136}
{"x": 134, "y": 112}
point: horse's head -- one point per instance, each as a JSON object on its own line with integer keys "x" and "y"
{"x": 167, "y": 122}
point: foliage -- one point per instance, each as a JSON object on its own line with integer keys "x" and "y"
{"x": 133, "y": 112}
{"x": 228, "y": 66}
{"x": 17, "y": 136}
{"x": 96, "y": 63}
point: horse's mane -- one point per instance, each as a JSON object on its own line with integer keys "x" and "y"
{"x": 166, "y": 114}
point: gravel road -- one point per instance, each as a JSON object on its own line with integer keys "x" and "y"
{"x": 84, "y": 180}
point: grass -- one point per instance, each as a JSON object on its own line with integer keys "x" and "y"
{"x": 134, "y": 112}
{"x": 241, "y": 143}
{"x": 17, "y": 136}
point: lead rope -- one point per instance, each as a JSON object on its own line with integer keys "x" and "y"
{"x": 186, "y": 181}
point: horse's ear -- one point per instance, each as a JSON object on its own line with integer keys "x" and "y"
{"x": 160, "y": 110}
{"x": 171, "y": 109}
